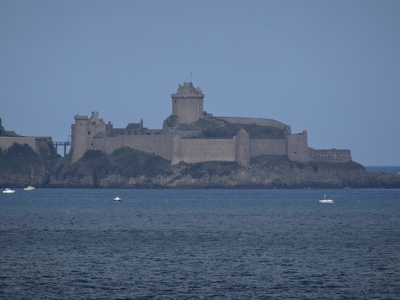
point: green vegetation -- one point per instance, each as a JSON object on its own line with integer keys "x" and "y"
{"x": 19, "y": 158}
{"x": 20, "y": 165}
{"x": 129, "y": 162}
{"x": 282, "y": 160}
{"x": 220, "y": 129}
{"x": 123, "y": 161}
{"x": 228, "y": 130}
{"x": 315, "y": 167}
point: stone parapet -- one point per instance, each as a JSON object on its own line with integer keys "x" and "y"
{"x": 330, "y": 155}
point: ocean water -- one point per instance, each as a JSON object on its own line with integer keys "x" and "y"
{"x": 199, "y": 244}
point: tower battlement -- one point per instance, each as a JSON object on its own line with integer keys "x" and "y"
{"x": 187, "y": 103}
{"x": 188, "y": 90}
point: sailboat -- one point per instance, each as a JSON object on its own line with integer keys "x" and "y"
{"x": 326, "y": 200}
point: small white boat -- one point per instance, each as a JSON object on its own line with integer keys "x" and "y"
{"x": 326, "y": 200}
{"x": 117, "y": 199}
{"x": 8, "y": 191}
{"x": 29, "y": 188}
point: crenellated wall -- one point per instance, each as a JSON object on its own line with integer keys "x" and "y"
{"x": 330, "y": 155}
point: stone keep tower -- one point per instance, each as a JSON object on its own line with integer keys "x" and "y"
{"x": 187, "y": 103}
{"x": 83, "y": 133}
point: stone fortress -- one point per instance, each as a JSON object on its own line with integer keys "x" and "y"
{"x": 192, "y": 135}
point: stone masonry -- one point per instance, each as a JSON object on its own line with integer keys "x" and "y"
{"x": 176, "y": 146}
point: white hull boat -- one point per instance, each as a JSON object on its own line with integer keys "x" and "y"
{"x": 326, "y": 200}
{"x": 117, "y": 199}
{"x": 8, "y": 191}
{"x": 29, "y": 188}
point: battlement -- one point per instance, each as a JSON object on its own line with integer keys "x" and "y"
{"x": 81, "y": 118}
{"x": 330, "y": 155}
{"x": 188, "y": 90}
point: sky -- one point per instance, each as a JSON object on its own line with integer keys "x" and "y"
{"x": 329, "y": 67}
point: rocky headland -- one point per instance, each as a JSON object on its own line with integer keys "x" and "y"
{"x": 128, "y": 168}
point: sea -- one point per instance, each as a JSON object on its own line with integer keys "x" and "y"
{"x": 200, "y": 244}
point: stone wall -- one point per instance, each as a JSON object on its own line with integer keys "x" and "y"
{"x": 6, "y": 142}
{"x": 160, "y": 145}
{"x": 93, "y": 134}
{"x": 200, "y": 150}
{"x": 188, "y": 110}
{"x": 297, "y": 149}
{"x": 331, "y": 155}
{"x": 267, "y": 147}
{"x": 35, "y": 142}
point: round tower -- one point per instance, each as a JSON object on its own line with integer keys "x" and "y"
{"x": 80, "y": 138}
{"x": 242, "y": 148}
{"x": 187, "y": 103}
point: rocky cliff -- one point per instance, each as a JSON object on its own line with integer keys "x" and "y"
{"x": 21, "y": 166}
{"x": 127, "y": 168}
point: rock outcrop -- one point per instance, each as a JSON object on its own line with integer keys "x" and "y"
{"x": 21, "y": 166}
{"x": 127, "y": 168}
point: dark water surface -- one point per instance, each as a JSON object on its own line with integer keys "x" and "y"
{"x": 199, "y": 244}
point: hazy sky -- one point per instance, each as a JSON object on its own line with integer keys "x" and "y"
{"x": 330, "y": 67}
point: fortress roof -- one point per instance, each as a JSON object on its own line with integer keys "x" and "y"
{"x": 133, "y": 126}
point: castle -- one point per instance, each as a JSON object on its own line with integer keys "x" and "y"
{"x": 192, "y": 135}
